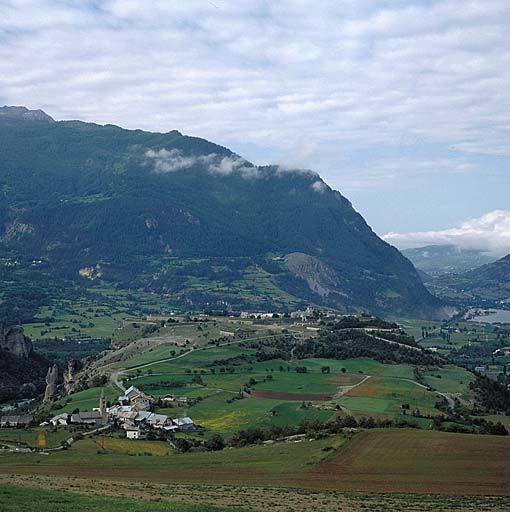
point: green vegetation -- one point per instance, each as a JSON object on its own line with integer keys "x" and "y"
{"x": 21, "y": 499}
{"x": 371, "y": 461}
{"x": 100, "y": 212}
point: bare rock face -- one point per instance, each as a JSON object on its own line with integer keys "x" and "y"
{"x": 14, "y": 341}
{"x": 69, "y": 377}
{"x": 50, "y": 392}
{"x": 320, "y": 278}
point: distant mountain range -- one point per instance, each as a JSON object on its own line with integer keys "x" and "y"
{"x": 488, "y": 283}
{"x": 191, "y": 220}
{"x": 437, "y": 260}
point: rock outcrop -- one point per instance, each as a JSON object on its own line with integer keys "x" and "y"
{"x": 50, "y": 392}
{"x": 69, "y": 376}
{"x": 13, "y": 340}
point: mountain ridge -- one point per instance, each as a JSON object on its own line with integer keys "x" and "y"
{"x": 144, "y": 209}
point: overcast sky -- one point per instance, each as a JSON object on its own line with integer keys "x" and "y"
{"x": 403, "y": 106}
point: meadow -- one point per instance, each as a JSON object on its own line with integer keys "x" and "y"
{"x": 14, "y": 498}
{"x": 375, "y": 461}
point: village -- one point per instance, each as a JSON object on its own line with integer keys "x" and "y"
{"x": 133, "y": 414}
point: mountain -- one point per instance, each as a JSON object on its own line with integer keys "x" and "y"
{"x": 490, "y": 282}
{"x": 189, "y": 219}
{"x": 437, "y": 260}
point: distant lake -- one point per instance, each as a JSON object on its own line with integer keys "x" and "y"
{"x": 494, "y": 316}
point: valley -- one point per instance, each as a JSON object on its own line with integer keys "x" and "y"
{"x": 197, "y": 330}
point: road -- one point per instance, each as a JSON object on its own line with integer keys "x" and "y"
{"x": 391, "y": 342}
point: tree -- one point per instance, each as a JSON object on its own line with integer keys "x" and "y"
{"x": 215, "y": 443}
{"x": 182, "y": 445}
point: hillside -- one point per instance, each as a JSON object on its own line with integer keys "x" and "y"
{"x": 490, "y": 282}
{"x": 189, "y": 219}
{"x": 437, "y": 260}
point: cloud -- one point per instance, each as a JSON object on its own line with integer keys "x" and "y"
{"x": 234, "y": 164}
{"x": 489, "y": 233}
{"x": 319, "y": 187}
{"x": 173, "y": 160}
{"x": 235, "y": 71}
{"x": 312, "y": 85}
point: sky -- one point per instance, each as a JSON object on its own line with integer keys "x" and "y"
{"x": 403, "y": 106}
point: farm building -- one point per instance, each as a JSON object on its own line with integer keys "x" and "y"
{"x": 87, "y": 418}
{"x": 17, "y": 420}
{"x": 184, "y": 424}
{"x": 141, "y": 402}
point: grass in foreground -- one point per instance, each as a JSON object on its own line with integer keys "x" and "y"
{"x": 22, "y": 499}
{"x": 392, "y": 461}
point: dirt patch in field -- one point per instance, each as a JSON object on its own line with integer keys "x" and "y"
{"x": 417, "y": 462}
{"x": 367, "y": 388}
{"x": 346, "y": 388}
{"x": 259, "y": 498}
{"x": 278, "y": 395}
{"x": 346, "y": 380}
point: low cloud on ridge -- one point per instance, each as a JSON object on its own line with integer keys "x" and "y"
{"x": 489, "y": 233}
{"x": 174, "y": 160}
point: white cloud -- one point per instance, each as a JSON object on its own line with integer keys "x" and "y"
{"x": 489, "y": 233}
{"x": 173, "y": 160}
{"x": 312, "y": 84}
{"x": 234, "y": 164}
{"x": 319, "y": 187}
{"x": 345, "y": 72}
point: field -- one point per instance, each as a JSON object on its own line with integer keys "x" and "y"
{"x": 35, "y": 436}
{"x": 14, "y": 498}
{"x": 85, "y": 400}
{"x": 376, "y": 461}
{"x": 362, "y": 387}
{"x": 132, "y": 447}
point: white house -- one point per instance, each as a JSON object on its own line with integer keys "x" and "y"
{"x": 133, "y": 432}
{"x": 59, "y": 419}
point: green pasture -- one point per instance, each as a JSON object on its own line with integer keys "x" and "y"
{"x": 448, "y": 379}
{"x": 386, "y": 395}
{"x": 14, "y": 498}
{"x": 86, "y": 400}
{"x": 30, "y": 436}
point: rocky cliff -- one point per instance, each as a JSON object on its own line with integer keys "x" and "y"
{"x": 21, "y": 369}
{"x": 13, "y": 340}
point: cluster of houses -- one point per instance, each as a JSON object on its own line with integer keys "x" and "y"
{"x": 133, "y": 413}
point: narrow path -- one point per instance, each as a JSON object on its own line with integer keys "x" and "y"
{"x": 342, "y": 390}
{"x": 391, "y": 342}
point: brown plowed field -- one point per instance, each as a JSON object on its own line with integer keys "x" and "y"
{"x": 307, "y": 397}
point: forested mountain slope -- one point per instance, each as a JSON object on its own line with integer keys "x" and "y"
{"x": 185, "y": 217}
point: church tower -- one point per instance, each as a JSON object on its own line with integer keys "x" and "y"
{"x": 102, "y": 408}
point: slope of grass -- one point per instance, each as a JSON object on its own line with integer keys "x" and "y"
{"x": 23, "y": 499}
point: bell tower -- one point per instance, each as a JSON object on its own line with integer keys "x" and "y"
{"x": 102, "y": 407}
